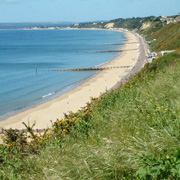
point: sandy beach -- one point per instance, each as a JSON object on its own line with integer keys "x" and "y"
{"x": 78, "y": 97}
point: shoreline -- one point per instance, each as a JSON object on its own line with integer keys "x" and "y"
{"x": 64, "y": 90}
{"x": 55, "y": 94}
{"x": 80, "y": 95}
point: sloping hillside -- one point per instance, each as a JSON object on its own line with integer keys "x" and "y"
{"x": 150, "y": 26}
{"x": 129, "y": 23}
{"x": 167, "y": 38}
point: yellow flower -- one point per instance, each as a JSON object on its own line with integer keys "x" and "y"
{"x": 9, "y": 145}
{"x": 64, "y": 130}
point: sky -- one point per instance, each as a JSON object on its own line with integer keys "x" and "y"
{"x": 83, "y": 10}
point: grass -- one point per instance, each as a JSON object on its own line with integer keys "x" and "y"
{"x": 155, "y": 25}
{"x": 116, "y": 137}
{"x": 167, "y": 38}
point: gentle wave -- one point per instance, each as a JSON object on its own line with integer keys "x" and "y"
{"x": 47, "y": 95}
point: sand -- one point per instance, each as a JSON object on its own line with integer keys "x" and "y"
{"x": 78, "y": 97}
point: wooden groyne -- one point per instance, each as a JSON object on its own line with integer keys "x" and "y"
{"x": 91, "y": 69}
{"x": 109, "y": 51}
{"x": 121, "y": 43}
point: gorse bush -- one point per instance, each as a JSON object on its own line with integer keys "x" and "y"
{"x": 27, "y": 142}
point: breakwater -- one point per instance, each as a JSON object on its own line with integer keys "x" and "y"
{"x": 109, "y": 51}
{"x": 91, "y": 69}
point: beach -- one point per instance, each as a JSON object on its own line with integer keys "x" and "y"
{"x": 73, "y": 100}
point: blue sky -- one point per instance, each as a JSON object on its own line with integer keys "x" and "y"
{"x": 83, "y": 10}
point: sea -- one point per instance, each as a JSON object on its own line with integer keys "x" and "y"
{"x": 26, "y": 56}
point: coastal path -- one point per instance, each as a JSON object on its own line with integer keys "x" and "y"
{"x": 142, "y": 60}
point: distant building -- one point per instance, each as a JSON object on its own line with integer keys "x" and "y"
{"x": 155, "y": 55}
{"x": 171, "y": 20}
{"x": 163, "y": 18}
{"x": 168, "y": 19}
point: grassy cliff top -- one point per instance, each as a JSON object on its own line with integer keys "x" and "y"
{"x": 167, "y": 38}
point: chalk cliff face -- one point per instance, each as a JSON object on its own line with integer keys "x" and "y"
{"x": 109, "y": 25}
{"x": 145, "y": 25}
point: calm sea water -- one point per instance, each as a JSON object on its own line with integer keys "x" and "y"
{"x": 22, "y": 50}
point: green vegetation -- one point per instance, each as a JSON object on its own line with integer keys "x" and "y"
{"x": 91, "y": 25}
{"x": 132, "y": 23}
{"x": 129, "y": 23}
{"x": 167, "y": 38}
{"x": 129, "y": 133}
{"x": 154, "y": 25}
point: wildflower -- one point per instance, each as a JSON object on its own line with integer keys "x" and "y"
{"x": 9, "y": 145}
{"x": 65, "y": 130}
